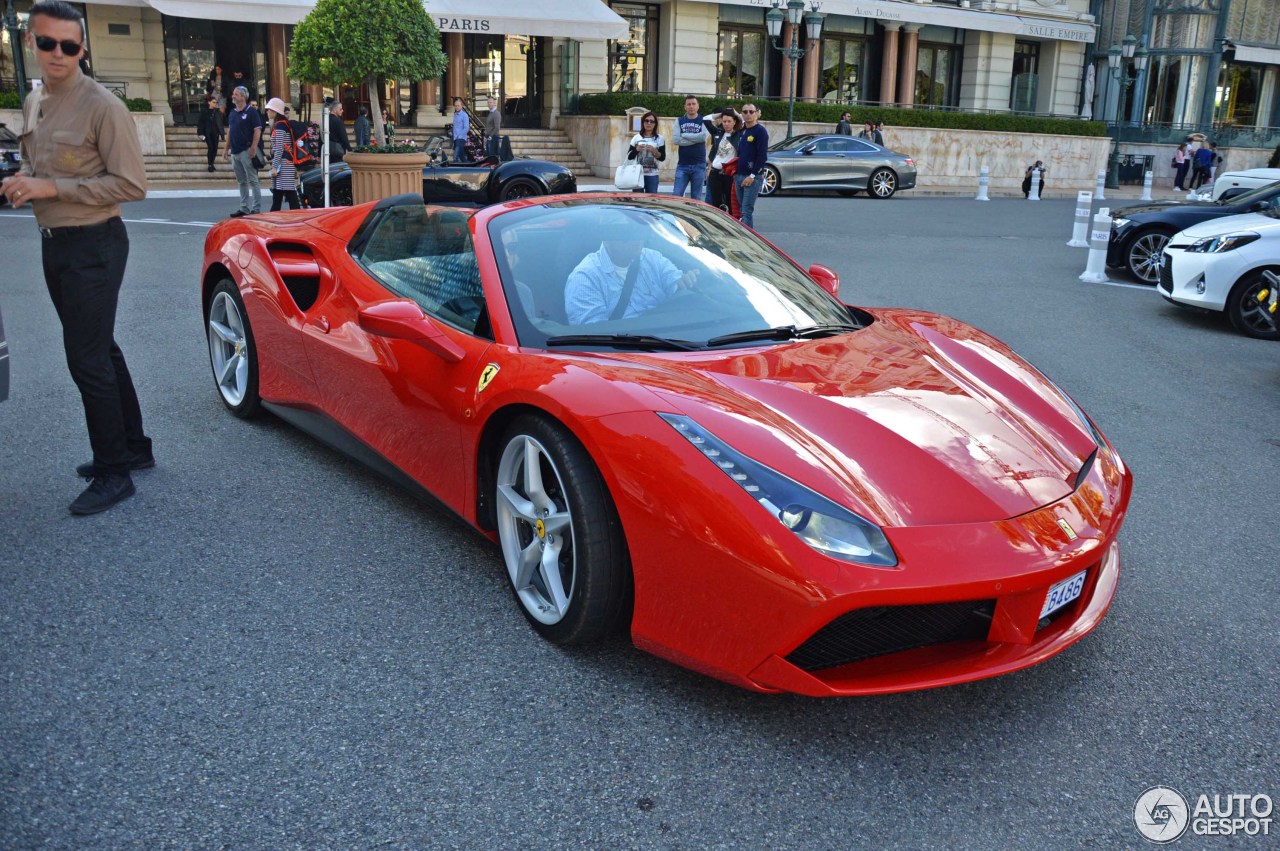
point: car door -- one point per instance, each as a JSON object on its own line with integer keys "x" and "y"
{"x": 451, "y": 182}
{"x": 398, "y": 346}
{"x": 862, "y": 159}
{"x": 829, "y": 163}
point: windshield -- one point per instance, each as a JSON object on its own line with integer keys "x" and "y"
{"x": 1262, "y": 193}
{"x": 650, "y": 268}
{"x": 794, "y": 143}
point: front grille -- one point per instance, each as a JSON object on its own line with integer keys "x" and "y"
{"x": 1166, "y": 274}
{"x": 866, "y": 633}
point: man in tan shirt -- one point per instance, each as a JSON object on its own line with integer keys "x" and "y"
{"x": 81, "y": 159}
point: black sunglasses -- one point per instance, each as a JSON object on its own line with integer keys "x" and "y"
{"x": 47, "y": 44}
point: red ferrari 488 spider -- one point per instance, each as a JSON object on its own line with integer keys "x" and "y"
{"x": 668, "y": 426}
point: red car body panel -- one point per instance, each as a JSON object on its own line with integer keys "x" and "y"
{"x": 962, "y": 452}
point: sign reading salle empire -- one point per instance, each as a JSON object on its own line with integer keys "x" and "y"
{"x": 1057, "y": 33}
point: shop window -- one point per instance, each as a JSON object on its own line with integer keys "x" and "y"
{"x": 1237, "y": 97}
{"x": 740, "y": 71}
{"x": 937, "y": 73}
{"x": 631, "y": 60}
{"x": 1026, "y": 70}
{"x": 842, "y": 60}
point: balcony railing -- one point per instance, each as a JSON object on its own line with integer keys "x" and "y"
{"x": 1228, "y": 136}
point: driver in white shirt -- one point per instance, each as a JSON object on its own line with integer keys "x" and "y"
{"x": 597, "y": 282}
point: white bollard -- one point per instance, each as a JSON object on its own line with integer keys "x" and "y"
{"x": 1095, "y": 271}
{"x": 1080, "y": 230}
{"x": 1034, "y": 194}
{"x": 1101, "y": 192}
{"x": 1146, "y": 186}
{"x": 984, "y": 180}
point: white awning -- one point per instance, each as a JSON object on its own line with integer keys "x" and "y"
{"x": 581, "y": 19}
{"x": 891, "y": 11}
{"x": 256, "y": 12}
{"x": 1260, "y": 55}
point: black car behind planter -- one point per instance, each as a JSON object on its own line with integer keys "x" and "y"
{"x": 9, "y": 158}
{"x": 486, "y": 182}
{"x": 1139, "y": 233}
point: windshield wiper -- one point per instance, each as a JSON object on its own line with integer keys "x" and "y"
{"x": 627, "y": 341}
{"x": 783, "y": 332}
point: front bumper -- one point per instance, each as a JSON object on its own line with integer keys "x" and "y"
{"x": 1200, "y": 280}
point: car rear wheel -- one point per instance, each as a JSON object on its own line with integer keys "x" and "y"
{"x": 882, "y": 183}
{"x": 770, "y": 181}
{"x": 520, "y": 187}
{"x": 561, "y": 538}
{"x": 232, "y": 354}
{"x": 1143, "y": 256}
{"x": 1248, "y": 307}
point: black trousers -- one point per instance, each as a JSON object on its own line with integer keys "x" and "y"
{"x": 213, "y": 144}
{"x": 83, "y": 269}
{"x": 278, "y": 196}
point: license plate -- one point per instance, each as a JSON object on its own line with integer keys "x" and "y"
{"x": 1062, "y": 593}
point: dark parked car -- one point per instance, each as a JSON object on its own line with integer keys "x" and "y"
{"x": 485, "y": 182}
{"x": 842, "y": 163}
{"x": 10, "y": 160}
{"x": 1139, "y": 233}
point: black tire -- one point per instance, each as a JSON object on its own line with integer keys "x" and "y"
{"x": 239, "y": 394}
{"x": 770, "y": 181}
{"x": 340, "y": 195}
{"x": 1142, "y": 255}
{"x": 882, "y": 183}
{"x": 591, "y": 564}
{"x": 1247, "y": 314}
{"x": 519, "y": 187}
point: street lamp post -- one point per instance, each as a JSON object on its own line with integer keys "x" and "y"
{"x": 813, "y": 23}
{"x": 1119, "y": 59}
{"x": 15, "y": 41}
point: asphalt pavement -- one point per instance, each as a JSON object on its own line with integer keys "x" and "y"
{"x": 270, "y": 647}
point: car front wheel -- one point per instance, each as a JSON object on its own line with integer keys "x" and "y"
{"x": 882, "y": 183}
{"x": 561, "y": 538}
{"x": 1248, "y": 307}
{"x": 232, "y": 354}
{"x": 770, "y": 181}
{"x": 1143, "y": 256}
{"x": 520, "y": 187}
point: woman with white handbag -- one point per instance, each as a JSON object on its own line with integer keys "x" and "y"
{"x": 648, "y": 148}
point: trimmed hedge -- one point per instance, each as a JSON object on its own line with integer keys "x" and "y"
{"x": 9, "y": 100}
{"x": 617, "y": 103}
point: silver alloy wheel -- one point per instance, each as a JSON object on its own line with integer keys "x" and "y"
{"x": 883, "y": 183}
{"x": 1144, "y": 256}
{"x": 768, "y": 181}
{"x": 535, "y": 527}
{"x": 228, "y": 349}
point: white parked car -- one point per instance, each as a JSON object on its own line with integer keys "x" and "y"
{"x": 1234, "y": 183}
{"x": 1220, "y": 265}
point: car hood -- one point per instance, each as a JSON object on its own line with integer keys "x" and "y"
{"x": 1163, "y": 206}
{"x": 1265, "y": 225}
{"x": 915, "y": 420}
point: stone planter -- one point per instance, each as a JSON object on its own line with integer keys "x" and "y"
{"x": 375, "y": 176}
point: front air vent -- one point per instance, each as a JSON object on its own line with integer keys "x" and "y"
{"x": 299, "y": 270}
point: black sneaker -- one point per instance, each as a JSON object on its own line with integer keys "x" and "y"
{"x": 211, "y": 169}
{"x": 137, "y": 461}
{"x": 238, "y": 213}
{"x": 102, "y": 493}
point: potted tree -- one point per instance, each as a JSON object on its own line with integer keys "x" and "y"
{"x": 343, "y": 40}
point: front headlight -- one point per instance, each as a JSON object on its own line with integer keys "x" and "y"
{"x": 1219, "y": 244}
{"x": 1120, "y": 224}
{"x": 822, "y": 524}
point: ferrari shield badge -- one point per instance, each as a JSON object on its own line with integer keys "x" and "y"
{"x": 1066, "y": 527}
{"x": 487, "y": 375}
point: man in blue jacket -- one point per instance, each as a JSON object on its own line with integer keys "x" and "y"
{"x": 691, "y": 142}
{"x": 753, "y": 153}
{"x": 461, "y": 127}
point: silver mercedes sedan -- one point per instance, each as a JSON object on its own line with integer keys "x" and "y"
{"x": 843, "y": 163}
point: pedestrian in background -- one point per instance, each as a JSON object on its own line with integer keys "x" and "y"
{"x": 1200, "y": 162}
{"x": 217, "y": 88}
{"x": 753, "y": 153}
{"x": 493, "y": 129}
{"x": 209, "y": 128}
{"x": 843, "y": 126}
{"x": 1181, "y": 163}
{"x": 364, "y": 130}
{"x": 1026, "y": 179}
{"x": 877, "y": 133}
{"x": 648, "y": 148}
{"x": 1215, "y": 160}
{"x": 244, "y": 133}
{"x": 868, "y": 130}
{"x": 461, "y": 127}
{"x": 284, "y": 171}
{"x": 724, "y": 163}
{"x": 691, "y": 137}
{"x": 339, "y": 143}
{"x": 80, "y": 159}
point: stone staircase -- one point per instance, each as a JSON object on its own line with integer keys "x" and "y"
{"x": 184, "y": 163}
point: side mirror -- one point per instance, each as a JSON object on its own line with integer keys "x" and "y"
{"x": 808, "y": 149}
{"x": 1260, "y": 206}
{"x": 826, "y": 279}
{"x": 401, "y": 319}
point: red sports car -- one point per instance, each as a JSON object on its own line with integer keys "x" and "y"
{"x": 668, "y": 426}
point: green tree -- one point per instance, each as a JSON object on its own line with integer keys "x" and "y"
{"x": 342, "y": 41}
